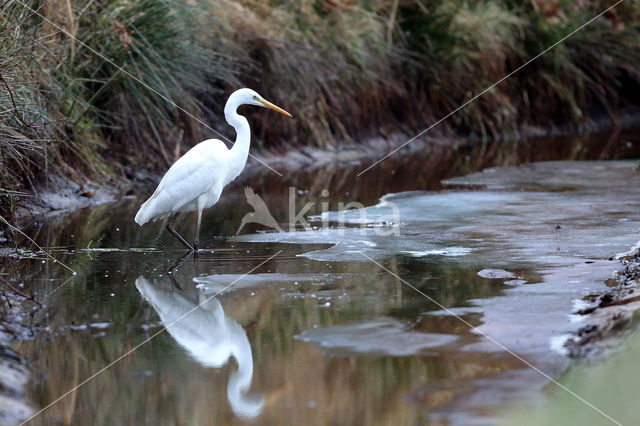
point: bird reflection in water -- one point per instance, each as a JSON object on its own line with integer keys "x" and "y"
{"x": 208, "y": 335}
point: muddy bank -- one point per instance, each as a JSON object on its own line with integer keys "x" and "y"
{"x": 601, "y": 138}
{"x": 61, "y": 195}
{"x": 609, "y": 315}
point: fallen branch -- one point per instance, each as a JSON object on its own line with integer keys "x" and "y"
{"x": 620, "y": 302}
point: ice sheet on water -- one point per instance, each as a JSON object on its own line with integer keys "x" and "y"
{"x": 496, "y": 274}
{"x": 630, "y": 252}
{"x": 549, "y": 176}
{"x": 556, "y": 343}
{"x": 381, "y": 336}
{"x": 549, "y": 213}
{"x": 230, "y": 282}
{"x": 447, "y": 251}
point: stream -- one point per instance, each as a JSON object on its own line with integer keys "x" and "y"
{"x": 421, "y": 307}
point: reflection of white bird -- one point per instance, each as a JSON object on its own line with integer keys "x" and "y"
{"x": 197, "y": 179}
{"x": 261, "y": 213}
{"x": 209, "y": 336}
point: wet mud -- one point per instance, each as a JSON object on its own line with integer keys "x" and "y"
{"x": 609, "y": 315}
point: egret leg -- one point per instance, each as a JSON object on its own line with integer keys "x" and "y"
{"x": 175, "y": 233}
{"x": 172, "y": 271}
{"x": 196, "y": 238}
{"x": 196, "y": 263}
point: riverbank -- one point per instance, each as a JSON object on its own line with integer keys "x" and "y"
{"x": 605, "y": 375}
{"x": 610, "y": 315}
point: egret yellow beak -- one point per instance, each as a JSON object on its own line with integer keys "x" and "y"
{"x": 274, "y": 107}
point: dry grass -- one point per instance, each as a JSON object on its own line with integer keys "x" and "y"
{"x": 22, "y": 110}
{"x": 327, "y": 62}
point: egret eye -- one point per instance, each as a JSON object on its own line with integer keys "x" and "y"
{"x": 255, "y": 98}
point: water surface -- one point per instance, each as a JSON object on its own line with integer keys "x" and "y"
{"x": 320, "y": 332}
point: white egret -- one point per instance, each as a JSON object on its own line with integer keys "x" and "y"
{"x": 197, "y": 179}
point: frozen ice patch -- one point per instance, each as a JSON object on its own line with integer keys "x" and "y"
{"x": 447, "y": 251}
{"x": 229, "y": 282}
{"x": 631, "y": 252}
{"x": 557, "y": 344}
{"x": 573, "y": 318}
{"x": 496, "y": 274}
{"x": 382, "y": 336}
{"x": 579, "y": 305}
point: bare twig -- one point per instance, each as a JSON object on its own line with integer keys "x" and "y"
{"x": 71, "y": 30}
{"x": 392, "y": 21}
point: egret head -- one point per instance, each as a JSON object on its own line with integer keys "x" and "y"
{"x": 248, "y": 96}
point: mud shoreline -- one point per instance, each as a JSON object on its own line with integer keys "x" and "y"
{"x": 609, "y": 315}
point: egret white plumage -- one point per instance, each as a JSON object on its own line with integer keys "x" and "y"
{"x": 195, "y": 182}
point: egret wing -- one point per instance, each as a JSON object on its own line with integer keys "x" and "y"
{"x": 192, "y": 175}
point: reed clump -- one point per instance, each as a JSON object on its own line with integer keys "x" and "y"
{"x": 133, "y": 86}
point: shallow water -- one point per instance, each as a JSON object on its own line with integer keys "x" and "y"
{"x": 306, "y": 327}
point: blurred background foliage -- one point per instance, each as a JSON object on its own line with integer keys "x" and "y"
{"x": 348, "y": 70}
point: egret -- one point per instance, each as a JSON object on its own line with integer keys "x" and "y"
{"x": 195, "y": 182}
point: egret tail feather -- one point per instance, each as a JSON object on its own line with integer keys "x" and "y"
{"x": 143, "y": 214}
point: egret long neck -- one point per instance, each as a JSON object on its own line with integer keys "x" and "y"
{"x": 240, "y": 150}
